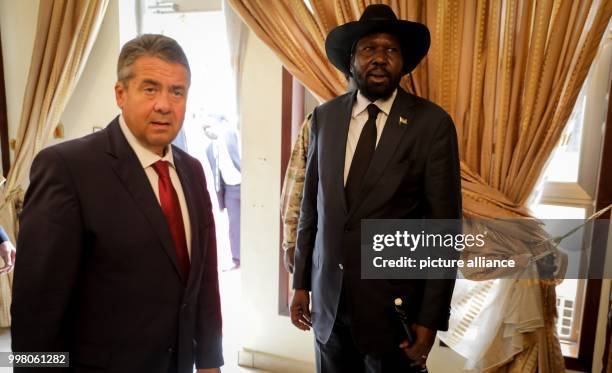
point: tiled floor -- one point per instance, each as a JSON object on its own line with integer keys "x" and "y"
{"x": 229, "y": 283}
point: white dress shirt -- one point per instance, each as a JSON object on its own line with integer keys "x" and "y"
{"x": 147, "y": 158}
{"x": 359, "y": 118}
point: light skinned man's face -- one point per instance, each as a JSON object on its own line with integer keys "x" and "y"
{"x": 153, "y": 101}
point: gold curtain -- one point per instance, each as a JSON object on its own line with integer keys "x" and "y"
{"x": 297, "y": 36}
{"x": 65, "y": 34}
{"x": 508, "y": 72}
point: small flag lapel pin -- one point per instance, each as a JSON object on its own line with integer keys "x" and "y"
{"x": 403, "y": 121}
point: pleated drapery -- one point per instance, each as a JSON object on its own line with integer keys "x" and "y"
{"x": 65, "y": 34}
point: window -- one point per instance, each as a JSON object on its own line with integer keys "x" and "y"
{"x": 569, "y": 191}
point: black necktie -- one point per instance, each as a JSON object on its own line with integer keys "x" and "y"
{"x": 362, "y": 157}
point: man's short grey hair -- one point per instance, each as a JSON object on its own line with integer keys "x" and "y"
{"x": 150, "y": 45}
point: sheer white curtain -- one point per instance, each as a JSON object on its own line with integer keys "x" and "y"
{"x": 237, "y": 36}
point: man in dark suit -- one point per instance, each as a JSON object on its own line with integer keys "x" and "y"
{"x": 117, "y": 253}
{"x": 377, "y": 153}
{"x": 223, "y": 155}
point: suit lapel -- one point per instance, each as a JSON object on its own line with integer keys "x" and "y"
{"x": 132, "y": 175}
{"x": 340, "y": 125}
{"x": 391, "y": 136}
{"x": 183, "y": 169}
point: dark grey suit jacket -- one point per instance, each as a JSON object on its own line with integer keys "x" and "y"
{"x": 97, "y": 274}
{"x": 414, "y": 174}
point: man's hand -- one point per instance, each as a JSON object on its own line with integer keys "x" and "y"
{"x": 289, "y": 259}
{"x": 209, "y": 370}
{"x": 300, "y": 309}
{"x": 7, "y": 254}
{"x": 424, "y": 340}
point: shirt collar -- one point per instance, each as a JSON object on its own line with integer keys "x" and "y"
{"x": 361, "y": 104}
{"x": 144, "y": 155}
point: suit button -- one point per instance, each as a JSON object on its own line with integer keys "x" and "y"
{"x": 341, "y": 266}
{"x": 347, "y": 229}
{"x": 170, "y": 350}
{"x": 183, "y": 306}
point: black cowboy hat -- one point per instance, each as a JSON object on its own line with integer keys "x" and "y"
{"x": 413, "y": 36}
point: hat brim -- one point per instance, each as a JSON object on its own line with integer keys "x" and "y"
{"x": 413, "y": 36}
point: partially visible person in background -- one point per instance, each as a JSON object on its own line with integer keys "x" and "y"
{"x": 180, "y": 141}
{"x": 293, "y": 187}
{"x": 7, "y": 252}
{"x": 292, "y": 192}
{"x": 223, "y": 155}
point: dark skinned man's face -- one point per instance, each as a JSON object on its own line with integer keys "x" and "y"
{"x": 376, "y": 65}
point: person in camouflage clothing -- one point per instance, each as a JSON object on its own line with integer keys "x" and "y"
{"x": 293, "y": 189}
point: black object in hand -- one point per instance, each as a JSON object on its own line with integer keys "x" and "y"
{"x": 403, "y": 317}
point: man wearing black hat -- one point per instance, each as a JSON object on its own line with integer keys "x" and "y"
{"x": 376, "y": 153}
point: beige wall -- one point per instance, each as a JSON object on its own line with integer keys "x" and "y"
{"x": 265, "y": 330}
{"x": 198, "y": 5}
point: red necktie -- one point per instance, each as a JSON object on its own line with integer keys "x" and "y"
{"x": 172, "y": 210}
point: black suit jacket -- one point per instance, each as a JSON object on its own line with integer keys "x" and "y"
{"x": 98, "y": 274}
{"x": 414, "y": 174}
